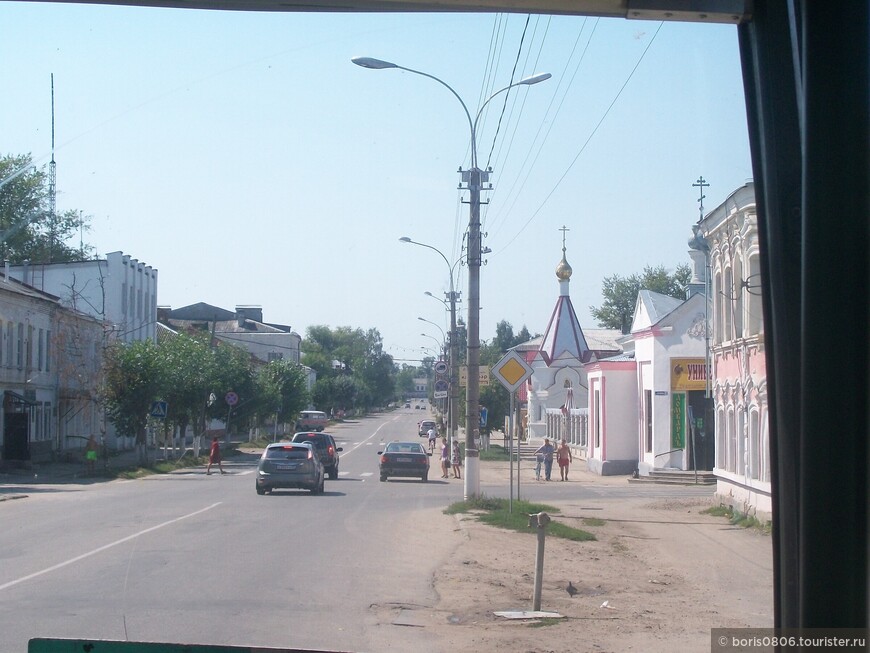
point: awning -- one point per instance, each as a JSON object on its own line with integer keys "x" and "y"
{"x": 14, "y": 397}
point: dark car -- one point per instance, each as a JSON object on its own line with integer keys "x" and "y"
{"x": 404, "y": 459}
{"x": 290, "y": 465}
{"x": 326, "y": 447}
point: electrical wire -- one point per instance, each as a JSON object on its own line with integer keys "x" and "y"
{"x": 586, "y": 143}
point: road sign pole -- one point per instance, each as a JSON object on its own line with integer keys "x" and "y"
{"x": 511, "y": 452}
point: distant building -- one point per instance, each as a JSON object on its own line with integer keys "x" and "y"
{"x": 558, "y": 388}
{"x": 117, "y": 290}
{"x": 243, "y": 328}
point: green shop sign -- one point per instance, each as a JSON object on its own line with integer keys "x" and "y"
{"x": 678, "y": 420}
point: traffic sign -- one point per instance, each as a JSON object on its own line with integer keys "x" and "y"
{"x": 441, "y": 367}
{"x": 484, "y": 413}
{"x": 159, "y": 409}
{"x": 482, "y": 375}
{"x": 512, "y": 370}
{"x": 231, "y": 398}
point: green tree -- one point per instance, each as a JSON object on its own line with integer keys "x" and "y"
{"x": 620, "y": 293}
{"x": 354, "y": 354}
{"x": 132, "y": 384}
{"x": 282, "y": 389}
{"x": 28, "y": 229}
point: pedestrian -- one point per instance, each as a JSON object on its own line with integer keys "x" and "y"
{"x": 456, "y": 460}
{"x": 91, "y": 454}
{"x": 564, "y": 458}
{"x": 433, "y": 435}
{"x": 547, "y": 451}
{"x": 445, "y": 458}
{"x": 214, "y": 456}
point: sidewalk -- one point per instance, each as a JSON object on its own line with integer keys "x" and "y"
{"x": 15, "y": 479}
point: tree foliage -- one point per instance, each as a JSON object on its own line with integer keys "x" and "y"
{"x": 28, "y": 228}
{"x": 620, "y": 293}
{"x": 353, "y": 371}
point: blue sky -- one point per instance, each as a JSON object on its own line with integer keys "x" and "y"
{"x": 246, "y": 158}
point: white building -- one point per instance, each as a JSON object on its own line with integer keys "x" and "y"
{"x": 243, "y": 328}
{"x": 49, "y": 374}
{"x": 558, "y": 384}
{"x": 118, "y": 290}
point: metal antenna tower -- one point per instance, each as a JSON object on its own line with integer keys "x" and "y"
{"x": 52, "y": 184}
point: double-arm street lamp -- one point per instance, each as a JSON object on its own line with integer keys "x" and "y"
{"x": 473, "y": 179}
{"x": 453, "y": 398}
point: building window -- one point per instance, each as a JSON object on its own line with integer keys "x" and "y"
{"x": 123, "y": 297}
{"x": 728, "y": 307}
{"x": 731, "y": 435}
{"x": 737, "y": 293}
{"x": 10, "y": 342}
{"x": 754, "y": 313}
{"x": 29, "y": 360}
{"x": 597, "y": 422}
{"x": 754, "y": 446}
{"x": 48, "y": 350}
{"x": 275, "y": 356}
{"x": 19, "y": 352}
{"x": 40, "y": 351}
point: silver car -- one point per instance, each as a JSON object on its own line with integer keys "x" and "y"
{"x": 290, "y": 465}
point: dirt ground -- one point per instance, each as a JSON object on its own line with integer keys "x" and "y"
{"x": 659, "y": 576}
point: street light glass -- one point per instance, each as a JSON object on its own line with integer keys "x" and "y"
{"x": 534, "y": 79}
{"x": 370, "y": 62}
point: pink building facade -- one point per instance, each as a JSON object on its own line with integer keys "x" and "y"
{"x": 739, "y": 383}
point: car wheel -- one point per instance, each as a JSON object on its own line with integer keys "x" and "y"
{"x": 261, "y": 490}
{"x": 383, "y": 478}
{"x": 425, "y": 477}
{"x": 333, "y": 473}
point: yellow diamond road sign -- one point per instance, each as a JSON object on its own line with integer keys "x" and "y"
{"x": 512, "y": 370}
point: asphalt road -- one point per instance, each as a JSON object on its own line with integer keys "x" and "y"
{"x": 191, "y": 558}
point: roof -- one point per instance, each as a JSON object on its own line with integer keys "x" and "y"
{"x": 651, "y": 308}
{"x": 563, "y": 335}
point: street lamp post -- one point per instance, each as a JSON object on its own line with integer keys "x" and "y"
{"x": 453, "y": 386}
{"x": 473, "y": 178}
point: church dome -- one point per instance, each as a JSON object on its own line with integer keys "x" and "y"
{"x": 563, "y": 270}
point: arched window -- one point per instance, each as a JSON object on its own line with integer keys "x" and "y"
{"x": 717, "y": 306}
{"x": 755, "y": 454}
{"x": 754, "y": 312}
{"x": 727, "y": 307}
{"x": 737, "y": 294}
{"x": 731, "y": 435}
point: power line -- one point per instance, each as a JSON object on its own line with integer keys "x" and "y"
{"x": 586, "y": 143}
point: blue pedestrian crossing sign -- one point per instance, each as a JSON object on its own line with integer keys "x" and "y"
{"x": 484, "y": 413}
{"x": 158, "y": 409}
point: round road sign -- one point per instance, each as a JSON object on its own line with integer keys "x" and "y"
{"x": 231, "y": 398}
{"x": 441, "y": 367}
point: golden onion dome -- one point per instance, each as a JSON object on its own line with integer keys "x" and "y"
{"x": 563, "y": 270}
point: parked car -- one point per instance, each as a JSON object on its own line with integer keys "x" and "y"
{"x": 423, "y": 427}
{"x": 325, "y": 445}
{"x": 312, "y": 420}
{"x": 404, "y": 459}
{"x": 290, "y": 465}
{"x": 408, "y": 405}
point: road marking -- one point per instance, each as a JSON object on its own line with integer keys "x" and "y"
{"x": 367, "y": 474}
{"x": 105, "y": 547}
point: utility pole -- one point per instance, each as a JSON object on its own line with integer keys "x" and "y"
{"x": 473, "y": 178}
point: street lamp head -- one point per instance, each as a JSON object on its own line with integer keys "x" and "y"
{"x": 534, "y": 79}
{"x": 405, "y": 239}
{"x": 374, "y": 64}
